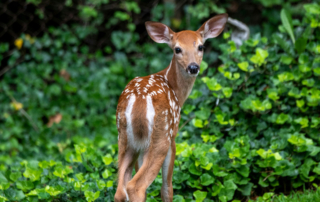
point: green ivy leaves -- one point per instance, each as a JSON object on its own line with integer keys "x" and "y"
{"x": 259, "y": 57}
{"x": 199, "y": 195}
{"x": 212, "y": 83}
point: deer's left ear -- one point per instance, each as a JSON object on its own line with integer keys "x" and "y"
{"x": 213, "y": 27}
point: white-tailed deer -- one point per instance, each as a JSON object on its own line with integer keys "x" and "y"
{"x": 148, "y": 111}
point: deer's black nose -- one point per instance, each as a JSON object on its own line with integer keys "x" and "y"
{"x": 193, "y": 68}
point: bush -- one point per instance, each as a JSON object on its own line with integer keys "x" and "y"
{"x": 247, "y": 130}
{"x": 257, "y": 116}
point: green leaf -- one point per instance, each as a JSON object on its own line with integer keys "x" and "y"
{"x": 2, "y": 198}
{"x": 203, "y": 114}
{"x": 287, "y": 23}
{"x": 107, "y": 159}
{"x": 273, "y": 94}
{"x": 226, "y": 35}
{"x": 200, "y": 195}
{"x": 188, "y": 108}
{"x": 285, "y": 76}
{"x": 243, "y": 66}
{"x": 80, "y": 148}
{"x": 314, "y": 150}
{"x": 304, "y": 122}
{"x": 195, "y": 94}
{"x": 316, "y": 71}
{"x": 87, "y": 12}
{"x": 101, "y": 184}
{"x": 312, "y": 8}
{"x": 62, "y": 171}
{"x": 198, "y": 123}
{"x": 259, "y": 57}
{"x": 91, "y": 196}
{"x": 303, "y": 58}
{"x": 212, "y": 83}
{"x": 263, "y": 183}
{"x": 227, "y": 92}
{"x": 3, "y": 178}
{"x": 194, "y": 170}
{"x": 282, "y": 118}
{"x": 106, "y": 173}
{"x": 178, "y": 198}
{"x": 80, "y": 177}
{"x": 267, "y": 196}
{"x": 308, "y": 82}
{"x": 301, "y": 45}
{"x": 246, "y": 189}
{"x": 14, "y": 195}
{"x": 109, "y": 184}
{"x": 24, "y": 185}
{"x": 300, "y": 103}
{"x": 206, "y": 179}
{"x": 285, "y": 59}
{"x": 203, "y": 66}
{"x": 229, "y": 184}
{"x": 315, "y": 122}
{"x": 32, "y": 174}
{"x": 53, "y": 191}
{"x": 304, "y": 68}
{"x": 279, "y": 40}
{"x": 14, "y": 176}
{"x": 294, "y": 92}
{"x": 4, "y": 185}
{"x": 244, "y": 170}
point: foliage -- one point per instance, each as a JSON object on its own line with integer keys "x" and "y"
{"x": 307, "y": 195}
{"x": 251, "y": 125}
{"x": 265, "y": 129}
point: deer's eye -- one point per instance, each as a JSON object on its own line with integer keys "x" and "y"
{"x": 177, "y": 50}
{"x": 200, "y": 48}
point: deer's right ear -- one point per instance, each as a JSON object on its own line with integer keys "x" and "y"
{"x": 159, "y": 32}
{"x": 213, "y": 27}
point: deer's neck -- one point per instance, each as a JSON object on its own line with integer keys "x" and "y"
{"x": 180, "y": 81}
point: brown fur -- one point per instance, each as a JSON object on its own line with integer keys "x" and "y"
{"x": 153, "y": 105}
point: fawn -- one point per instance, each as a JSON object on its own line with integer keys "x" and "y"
{"x": 148, "y": 111}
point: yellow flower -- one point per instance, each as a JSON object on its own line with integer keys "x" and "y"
{"x": 18, "y": 42}
{"x": 16, "y": 105}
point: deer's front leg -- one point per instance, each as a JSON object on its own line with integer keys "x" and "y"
{"x": 167, "y": 171}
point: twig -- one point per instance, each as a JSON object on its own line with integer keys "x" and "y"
{"x": 4, "y": 70}
{"x": 24, "y": 113}
{"x": 30, "y": 120}
{"x": 185, "y": 123}
{"x": 267, "y": 177}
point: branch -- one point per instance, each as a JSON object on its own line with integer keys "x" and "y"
{"x": 187, "y": 121}
{"x": 24, "y": 113}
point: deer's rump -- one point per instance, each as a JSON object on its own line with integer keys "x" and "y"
{"x": 147, "y": 110}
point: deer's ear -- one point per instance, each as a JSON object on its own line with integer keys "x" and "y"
{"x": 213, "y": 27}
{"x": 159, "y": 32}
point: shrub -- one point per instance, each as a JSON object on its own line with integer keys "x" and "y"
{"x": 257, "y": 116}
{"x": 249, "y": 128}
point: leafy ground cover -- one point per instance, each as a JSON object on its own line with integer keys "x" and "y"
{"x": 250, "y": 128}
{"x": 306, "y": 195}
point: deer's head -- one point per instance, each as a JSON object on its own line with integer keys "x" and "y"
{"x": 187, "y": 45}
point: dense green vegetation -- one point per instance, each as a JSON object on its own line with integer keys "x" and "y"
{"x": 250, "y": 130}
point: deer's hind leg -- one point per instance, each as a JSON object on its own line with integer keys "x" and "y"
{"x": 152, "y": 163}
{"x": 127, "y": 158}
{"x": 167, "y": 171}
